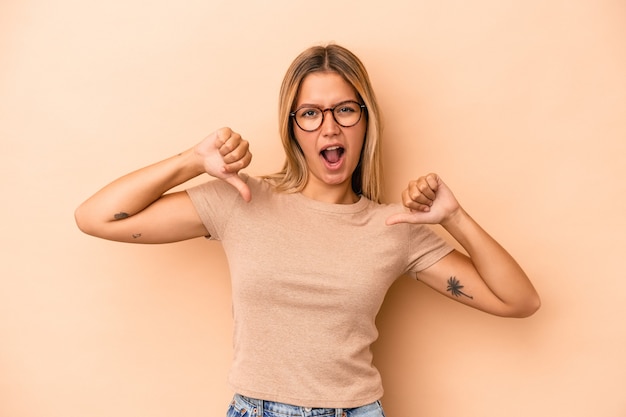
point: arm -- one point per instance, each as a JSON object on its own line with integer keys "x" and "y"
{"x": 135, "y": 208}
{"x": 489, "y": 279}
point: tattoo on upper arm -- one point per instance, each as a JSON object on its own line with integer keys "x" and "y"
{"x": 455, "y": 287}
{"x": 136, "y": 235}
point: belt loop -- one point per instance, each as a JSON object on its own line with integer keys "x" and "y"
{"x": 260, "y": 407}
{"x": 338, "y": 412}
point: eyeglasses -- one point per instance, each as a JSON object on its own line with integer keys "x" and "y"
{"x": 346, "y": 114}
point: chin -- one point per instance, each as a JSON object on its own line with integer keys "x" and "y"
{"x": 336, "y": 180}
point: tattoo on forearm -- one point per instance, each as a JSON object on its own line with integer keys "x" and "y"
{"x": 121, "y": 215}
{"x": 455, "y": 287}
{"x": 136, "y": 235}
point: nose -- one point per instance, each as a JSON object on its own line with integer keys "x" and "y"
{"x": 329, "y": 124}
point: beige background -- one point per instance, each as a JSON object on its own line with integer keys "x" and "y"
{"x": 519, "y": 105}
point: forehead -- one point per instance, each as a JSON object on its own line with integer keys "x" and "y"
{"x": 325, "y": 89}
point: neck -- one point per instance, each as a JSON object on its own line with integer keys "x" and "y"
{"x": 330, "y": 194}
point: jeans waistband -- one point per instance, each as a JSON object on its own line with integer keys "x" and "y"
{"x": 258, "y": 408}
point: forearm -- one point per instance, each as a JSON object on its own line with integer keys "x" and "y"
{"x": 134, "y": 192}
{"x": 497, "y": 268}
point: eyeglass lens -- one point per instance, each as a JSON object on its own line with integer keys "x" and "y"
{"x": 346, "y": 114}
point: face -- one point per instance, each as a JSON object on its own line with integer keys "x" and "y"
{"x": 332, "y": 152}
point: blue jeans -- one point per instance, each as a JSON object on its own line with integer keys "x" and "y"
{"x": 249, "y": 407}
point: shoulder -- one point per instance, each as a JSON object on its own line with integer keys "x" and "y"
{"x": 383, "y": 209}
{"x": 412, "y": 232}
{"x": 259, "y": 184}
{"x": 217, "y": 186}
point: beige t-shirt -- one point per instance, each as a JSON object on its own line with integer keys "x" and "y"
{"x": 308, "y": 279}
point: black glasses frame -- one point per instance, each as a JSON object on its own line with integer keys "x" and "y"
{"x": 332, "y": 111}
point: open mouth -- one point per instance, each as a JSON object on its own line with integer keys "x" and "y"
{"x": 333, "y": 154}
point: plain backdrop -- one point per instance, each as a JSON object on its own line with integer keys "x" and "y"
{"x": 519, "y": 105}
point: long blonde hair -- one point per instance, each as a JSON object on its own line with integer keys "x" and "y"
{"x": 367, "y": 177}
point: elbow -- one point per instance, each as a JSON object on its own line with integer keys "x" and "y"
{"x": 525, "y": 309}
{"x": 83, "y": 222}
{"x": 80, "y": 220}
{"x": 535, "y": 305}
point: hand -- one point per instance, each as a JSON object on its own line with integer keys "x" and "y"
{"x": 223, "y": 154}
{"x": 429, "y": 200}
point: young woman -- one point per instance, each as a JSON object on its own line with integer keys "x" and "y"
{"x": 312, "y": 250}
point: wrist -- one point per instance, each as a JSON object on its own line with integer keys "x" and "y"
{"x": 455, "y": 219}
{"x": 191, "y": 162}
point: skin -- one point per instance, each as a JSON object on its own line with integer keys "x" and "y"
{"x": 331, "y": 184}
{"x": 136, "y": 208}
{"x": 492, "y": 280}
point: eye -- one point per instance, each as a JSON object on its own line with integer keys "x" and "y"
{"x": 346, "y": 108}
{"x": 308, "y": 113}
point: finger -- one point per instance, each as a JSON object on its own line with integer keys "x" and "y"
{"x": 230, "y": 144}
{"x": 221, "y": 136}
{"x": 433, "y": 181}
{"x": 238, "y": 164}
{"x": 417, "y": 207}
{"x": 397, "y": 218}
{"x": 415, "y": 200}
{"x": 422, "y": 187}
{"x": 240, "y": 185}
{"x": 412, "y": 217}
{"x": 238, "y": 152}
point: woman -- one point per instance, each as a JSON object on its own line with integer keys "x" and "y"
{"x": 312, "y": 251}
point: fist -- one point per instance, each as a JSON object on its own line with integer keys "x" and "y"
{"x": 428, "y": 199}
{"x": 223, "y": 154}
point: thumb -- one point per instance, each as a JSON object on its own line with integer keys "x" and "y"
{"x": 398, "y": 218}
{"x": 240, "y": 185}
{"x": 413, "y": 217}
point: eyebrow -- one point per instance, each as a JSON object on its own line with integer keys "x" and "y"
{"x": 322, "y": 107}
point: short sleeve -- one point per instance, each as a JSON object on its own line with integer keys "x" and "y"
{"x": 425, "y": 248}
{"x": 214, "y": 201}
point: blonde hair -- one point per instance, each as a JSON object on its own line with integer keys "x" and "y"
{"x": 367, "y": 177}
